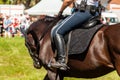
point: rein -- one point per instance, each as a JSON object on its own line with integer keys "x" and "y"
{"x": 35, "y": 57}
{"x": 49, "y": 27}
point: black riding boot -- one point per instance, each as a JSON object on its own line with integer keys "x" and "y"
{"x": 61, "y": 52}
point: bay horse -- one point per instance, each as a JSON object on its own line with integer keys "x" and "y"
{"x": 102, "y": 57}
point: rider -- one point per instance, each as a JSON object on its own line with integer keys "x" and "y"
{"x": 85, "y": 9}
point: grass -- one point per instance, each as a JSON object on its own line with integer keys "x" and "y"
{"x": 16, "y": 64}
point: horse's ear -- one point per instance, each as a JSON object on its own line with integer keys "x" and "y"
{"x": 23, "y": 32}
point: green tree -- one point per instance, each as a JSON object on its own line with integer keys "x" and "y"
{"x": 27, "y": 3}
{"x": 4, "y": 1}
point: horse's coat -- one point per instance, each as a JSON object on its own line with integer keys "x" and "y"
{"x": 102, "y": 57}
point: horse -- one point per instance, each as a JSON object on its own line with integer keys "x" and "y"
{"x": 102, "y": 56}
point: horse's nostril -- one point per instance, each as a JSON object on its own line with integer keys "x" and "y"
{"x": 37, "y": 65}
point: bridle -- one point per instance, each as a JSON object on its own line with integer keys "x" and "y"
{"x": 35, "y": 57}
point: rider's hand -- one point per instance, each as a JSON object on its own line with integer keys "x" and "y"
{"x": 60, "y": 15}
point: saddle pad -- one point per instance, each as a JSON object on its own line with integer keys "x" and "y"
{"x": 81, "y": 38}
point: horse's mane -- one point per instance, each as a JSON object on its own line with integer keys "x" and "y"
{"x": 37, "y": 27}
{"x": 44, "y": 20}
{"x": 52, "y": 18}
{"x": 47, "y": 18}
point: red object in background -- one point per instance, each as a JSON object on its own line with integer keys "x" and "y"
{"x": 16, "y": 22}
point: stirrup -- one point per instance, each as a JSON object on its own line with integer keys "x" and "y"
{"x": 57, "y": 65}
{"x": 60, "y": 66}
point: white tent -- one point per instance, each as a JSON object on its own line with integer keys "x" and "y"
{"x": 47, "y": 7}
{"x": 11, "y": 9}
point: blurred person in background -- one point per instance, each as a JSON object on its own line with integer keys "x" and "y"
{"x": 32, "y": 19}
{"x": 1, "y": 24}
{"x": 23, "y": 21}
{"x": 16, "y": 24}
{"x": 8, "y": 24}
{"x": 27, "y": 22}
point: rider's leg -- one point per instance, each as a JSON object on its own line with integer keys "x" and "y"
{"x": 60, "y": 30}
{"x": 61, "y": 50}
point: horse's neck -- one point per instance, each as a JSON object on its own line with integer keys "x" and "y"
{"x": 46, "y": 52}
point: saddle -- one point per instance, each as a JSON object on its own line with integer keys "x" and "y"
{"x": 78, "y": 40}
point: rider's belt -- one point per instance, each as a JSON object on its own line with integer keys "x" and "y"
{"x": 91, "y": 8}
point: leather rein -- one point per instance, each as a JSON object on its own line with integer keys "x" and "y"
{"x": 35, "y": 57}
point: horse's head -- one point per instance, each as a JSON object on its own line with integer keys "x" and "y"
{"x": 30, "y": 43}
{"x": 32, "y": 48}
{"x": 34, "y": 36}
